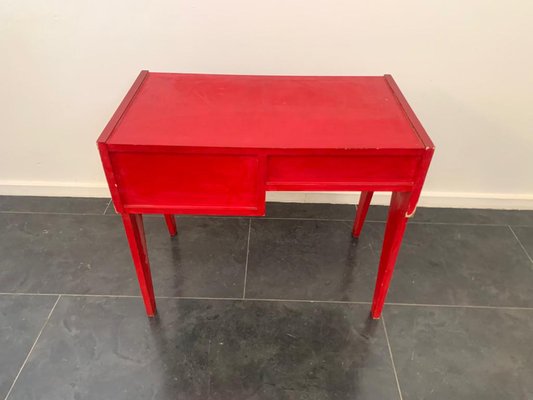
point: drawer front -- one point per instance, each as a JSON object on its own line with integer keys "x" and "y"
{"x": 189, "y": 183}
{"x": 337, "y": 173}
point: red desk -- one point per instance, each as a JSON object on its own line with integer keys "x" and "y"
{"x": 214, "y": 144}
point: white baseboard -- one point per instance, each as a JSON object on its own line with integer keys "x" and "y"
{"x": 54, "y": 188}
{"x": 428, "y": 199}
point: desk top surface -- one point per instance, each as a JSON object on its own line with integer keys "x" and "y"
{"x": 248, "y": 111}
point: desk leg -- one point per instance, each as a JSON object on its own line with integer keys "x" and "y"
{"x": 362, "y": 209}
{"x": 133, "y": 223}
{"x": 396, "y": 222}
{"x": 171, "y": 224}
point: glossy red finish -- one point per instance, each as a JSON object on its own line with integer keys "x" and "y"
{"x": 133, "y": 224}
{"x": 396, "y": 222}
{"x": 214, "y": 144}
{"x": 348, "y": 172}
{"x": 219, "y": 184}
{"x": 265, "y": 112}
{"x": 362, "y": 210}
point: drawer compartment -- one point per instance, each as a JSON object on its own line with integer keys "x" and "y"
{"x": 334, "y": 172}
{"x": 210, "y": 184}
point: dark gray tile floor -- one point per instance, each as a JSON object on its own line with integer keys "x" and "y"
{"x": 264, "y": 308}
{"x": 462, "y": 353}
{"x": 21, "y": 320}
{"x": 96, "y": 348}
{"x": 312, "y": 260}
{"x": 524, "y": 234}
{"x": 88, "y": 254}
{"x": 462, "y": 265}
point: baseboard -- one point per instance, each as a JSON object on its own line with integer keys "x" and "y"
{"x": 54, "y": 188}
{"x": 428, "y": 199}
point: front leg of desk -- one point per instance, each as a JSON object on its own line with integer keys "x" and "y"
{"x": 396, "y": 222}
{"x": 133, "y": 224}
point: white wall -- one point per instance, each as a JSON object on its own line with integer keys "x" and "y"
{"x": 465, "y": 66}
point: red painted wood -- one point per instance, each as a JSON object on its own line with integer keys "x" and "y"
{"x": 413, "y": 119}
{"x": 171, "y": 224}
{"x": 196, "y": 210}
{"x": 192, "y": 181}
{"x": 423, "y": 167}
{"x": 265, "y": 112}
{"x": 328, "y": 171}
{"x": 429, "y": 147}
{"x": 108, "y": 130}
{"x": 110, "y": 176}
{"x": 362, "y": 210}
{"x": 394, "y": 230}
{"x": 128, "y": 148}
{"x": 133, "y": 224}
{"x": 124, "y": 104}
{"x": 213, "y": 144}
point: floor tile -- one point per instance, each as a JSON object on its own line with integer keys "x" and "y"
{"x": 461, "y": 353}
{"x": 76, "y": 205}
{"x": 315, "y": 260}
{"x": 89, "y": 254}
{"x": 438, "y": 264}
{"x": 463, "y": 265}
{"x": 95, "y": 348}
{"x": 525, "y": 235}
{"x": 377, "y": 213}
{"x": 21, "y": 319}
{"x": 207, "y": 258}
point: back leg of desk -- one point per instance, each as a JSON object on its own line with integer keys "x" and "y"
{"x": 133, "y": 224}
{"x": 362, "y": 210}
{"x": 171, "y": 224}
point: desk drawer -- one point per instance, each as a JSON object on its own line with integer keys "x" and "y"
{"x": 339, "y": 172}
{"x": 189, "y": 183}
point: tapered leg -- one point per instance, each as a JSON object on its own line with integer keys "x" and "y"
{"x": 394, "y": 230}
{"x": 362, "y": 209}
{"x": 133, "y": 223}
{"x": 171, "y": 224}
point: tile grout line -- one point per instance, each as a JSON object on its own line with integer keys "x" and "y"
{"x": 520, "y": 243}
{"x": 391, "y": 357}
{"x": 266, "y": 218}
{"x": 309, "y": 301}
{"x": 189, "y": 298}
{"x": 71, "y": 295}
{"x": 247, "y": 255}
{"x": 32, "y": 347}
{"x": 449, "y": 223}
{"x": 126, "y": 296}
{"x": 108, "y": 204}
